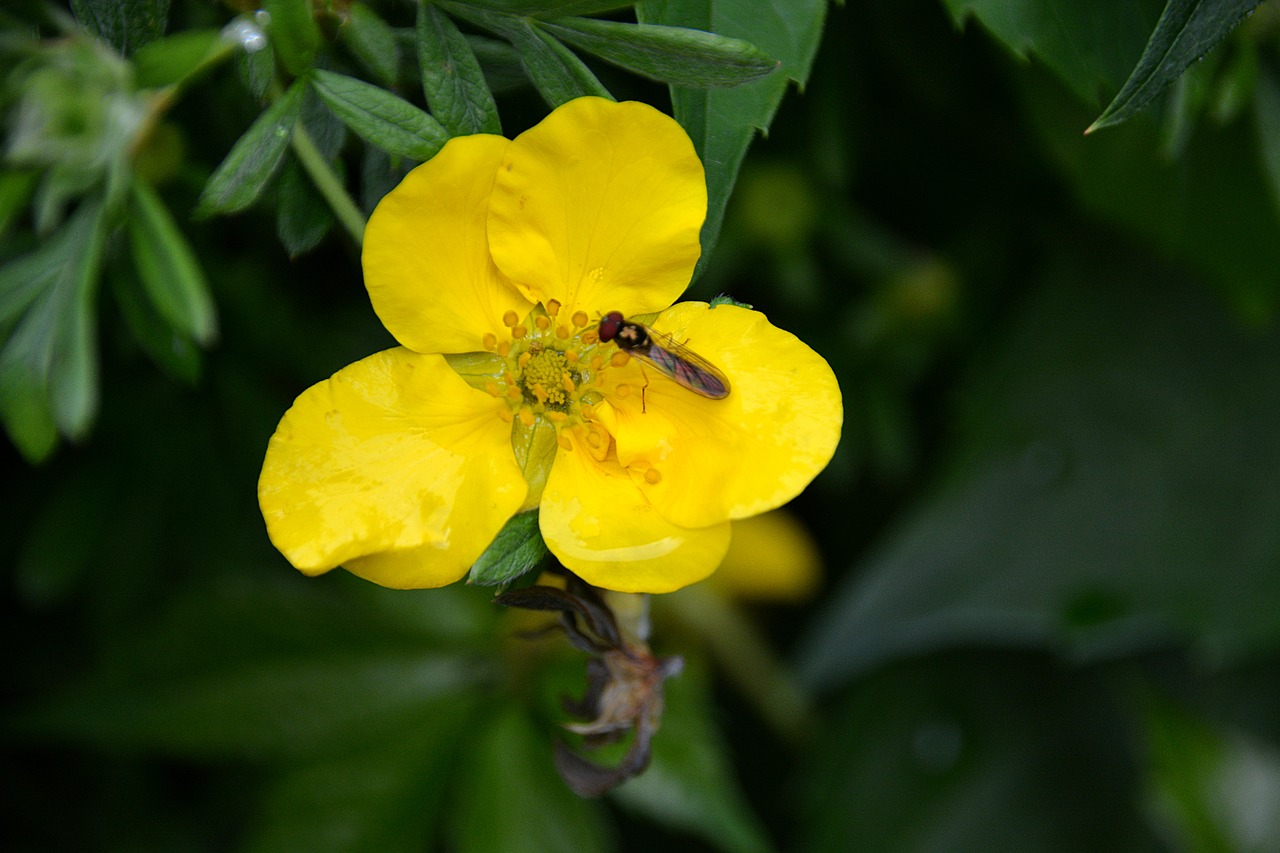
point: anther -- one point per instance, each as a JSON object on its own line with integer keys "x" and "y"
{"x": 492, "y": 388}
{"x": 539, "y": 391}
{"x": 579, "y": 319}
{"x": 590, "y": 337}
{"x": 504, "y": 414}
{"x": 563, "y": 441}
{"x": 623, "y": 390}
{"x": 513, "y": 392}
{"x": 526, "y": 417}
{"x": 542, "y": 322}
{"x": 597, "y": 361}
{"x": 652, "y": 476}
{"x": 594, "y": 439}
{"x": 588, "y": 411}
{"x": 553, "y": 307}
{"x": 523, "y": 360}
{"x": 504, "y": 348}
{"x": 557, "y": 417}
{"x": 519, "y": 332}
{"x": 619, "y": 358}
{"x": 510, "y": 318}
{"x": 566, "y": 382}
{"x": 571, "y": 356}
{"x": 490, "y": 341}
{"x": 563, "y": 332}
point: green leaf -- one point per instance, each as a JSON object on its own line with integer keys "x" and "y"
{"x": 379, "y": 117}
{"x": 551, "y": 8}
{"x": 169, "y": 269}
{"x": 302, "y": 216}
{"x": 49, "y": 364}
{"x": 173, "y": 59}
{"x": 1187, "y": 30}
{"x": 1090, "y": 45}
{"x": 387, "y": 798}
{"x": 256, "y": 68}
{"x": 454, "y": 86}
{"x": 373, "y": 42}
{"x": 690, "y": 784}
{"x": 175, "y": 353}
{"x": 126, "y": 24}
{"x": 722, "y": 122}
{"x": 16, "y": 189}
{"x": 1108, "y": 491}
{"x": 247, "y": 169}
{"x": 557, "y": 74}
{"x": 990, "y": 752}
{"x": 518, "y": 548}
{"x": 258, "y": 708}
{"x": 294, "y": 33}
{"x": 675, "y": 55}
{"x": 510, "y": 799}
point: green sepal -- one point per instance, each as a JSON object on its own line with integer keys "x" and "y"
{"x": 247, "y": 169}
{"x": 173, "y": 59}
{"x": 726, "y": 299}
{"x": 517, "y": 549}
{"x": 379, "y": 117}
{"x": 675, "y": 55}
{"x": 452, "y": 81}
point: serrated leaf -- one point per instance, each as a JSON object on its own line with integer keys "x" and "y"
{"x": 379, "y": 117}
{"x": 557, "y": 74}
{"x": 1090, "y": 45}
{"x": 302, "y": 216}
{"x": 170, "y": 60}
{"x": 126, "y": 24}
{"x": 517, "y": 549}
{"x": 675, "y": 55}
{"x": 169, "y": 269}
{"x": 373, "y": 42}
{"x": 294, "y": 33}
{"x": 723, "y": 122}
{"x": 452, "y": 81}
{"x": 247, "y": 169}
{"x": 1186, "y": 31}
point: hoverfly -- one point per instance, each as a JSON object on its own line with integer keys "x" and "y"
{"x": 674, "y": 361}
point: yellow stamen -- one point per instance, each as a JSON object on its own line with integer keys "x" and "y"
{"x": 539, "y": 391}
{"x": 504, "y": 414}
{"x": 553, "y": 307}
{"x": 510, "y": 318}
{"x": 542, "y": 322}
{"x": 619, "y": 358}
{"x": 519, "y": 332}
{"x": 492, "y": 388}
{"x": 490, "y": 341}
{"x": 571, "y": 356}
{"x": 563, "y": 441}
{"x": 563, "y": 332}
{"x": 623, "y": 390}
{"x": 557, "y": 417}
{"x": 566, "y": 382}
{"x": 504, "y": 348}
{"x": 526, "y": 416}
{"x": 579, "y": 319}
{"x": 523, "y": 360}
{"x": 652, "y": 476}
{"x": 513, "y": 392}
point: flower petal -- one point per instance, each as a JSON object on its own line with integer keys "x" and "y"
{"x": 600, "y": 206}
{"x": 426, "y": 253}
{"x": 750, "y": 452}
{"x": 600, "y": 526}
{"x": 396, "y": 460}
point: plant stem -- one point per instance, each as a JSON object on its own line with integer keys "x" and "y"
{"x": 317, "y": 168}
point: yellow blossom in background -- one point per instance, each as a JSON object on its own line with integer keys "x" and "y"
{"x": 492, "y": 264}
{"x": 772, "y": 558}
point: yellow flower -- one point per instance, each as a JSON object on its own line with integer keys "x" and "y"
{"x": 492, "y": 264}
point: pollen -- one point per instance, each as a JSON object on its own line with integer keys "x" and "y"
{"x": 543, "y": 375}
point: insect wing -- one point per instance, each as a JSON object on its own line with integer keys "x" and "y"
{"x": 685, "y": 367}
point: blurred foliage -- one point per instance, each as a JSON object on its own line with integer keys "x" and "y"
{"x": 1049, "y": 617}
